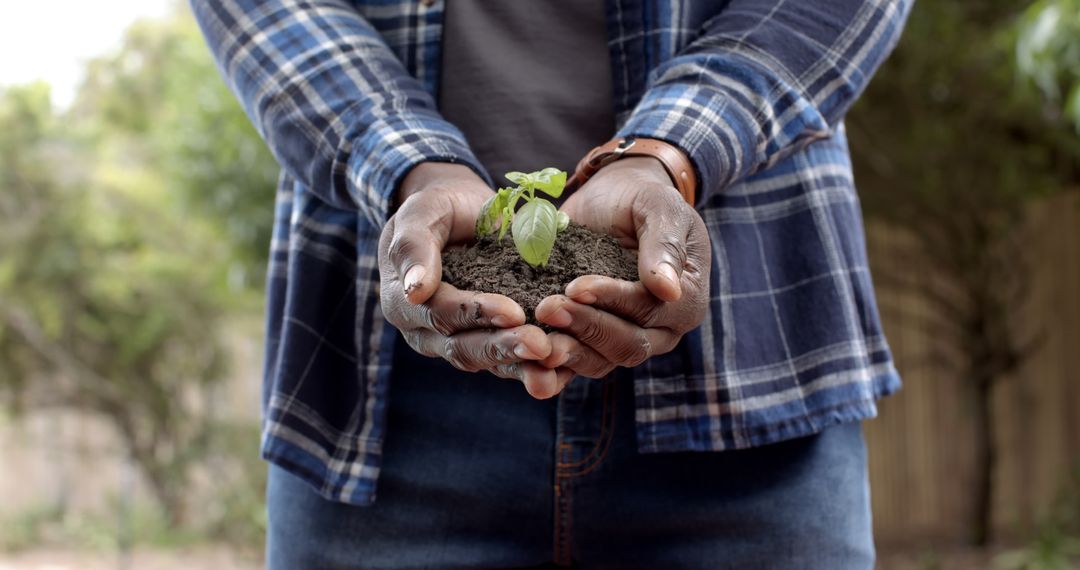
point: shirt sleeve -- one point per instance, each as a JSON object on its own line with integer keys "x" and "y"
{"x": 764, "y": 79}
{"x": 337, "y": 108}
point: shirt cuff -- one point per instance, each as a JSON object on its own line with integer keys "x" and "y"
{"x": 715, "y": 134}
{"x": 391, "y": 147}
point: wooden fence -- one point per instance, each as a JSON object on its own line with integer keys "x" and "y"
{"x": 921, "y": 452}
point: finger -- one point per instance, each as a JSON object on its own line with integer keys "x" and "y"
{"x": 662, "y": 222}
{"x": 451, "y": 310}
{"x": 626, "y": 299}
{"x": 540, "y": 382}
{"x": 477, "y": 350}
{"x": 617, "y": 340}
{"x": 564, "y": 377}
{"x": 568, "y": 352}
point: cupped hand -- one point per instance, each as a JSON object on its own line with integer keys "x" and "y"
{"x": 602, "y": 322}
{"x": 473, "y": 331}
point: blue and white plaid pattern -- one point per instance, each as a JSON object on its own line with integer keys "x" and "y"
{"x": 754, "y": 91}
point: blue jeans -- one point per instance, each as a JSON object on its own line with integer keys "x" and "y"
{"x": 477, "y": 474}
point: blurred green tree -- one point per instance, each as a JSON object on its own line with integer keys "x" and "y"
{"x": 121, "y": 222}
{"x": 107, "y": 300}
{"x": 949, "y": 145}
{"x": 1048, "y": 53}
{"x": 162, "y": 90}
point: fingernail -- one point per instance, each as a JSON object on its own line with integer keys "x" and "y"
{"x": 560, "y": 318}
{"x": 522, "y": 351}
{"x": 413, "y": 278}
{"x": 668, "y": 272}
{"x": 565, "y": 358}
{"x": 501, "y": 321}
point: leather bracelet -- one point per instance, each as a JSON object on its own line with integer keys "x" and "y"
{"x": 675, "y": 163}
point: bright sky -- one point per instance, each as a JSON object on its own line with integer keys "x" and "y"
{"x": 49, "y": 40}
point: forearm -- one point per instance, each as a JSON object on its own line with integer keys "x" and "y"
{"x": 338, "y": 110}
{"x": 763, "y": 80}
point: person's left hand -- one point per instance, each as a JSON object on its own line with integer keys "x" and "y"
{"x": 605, "y": 322}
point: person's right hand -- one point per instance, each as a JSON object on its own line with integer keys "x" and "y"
{"x": 473, "y": 331}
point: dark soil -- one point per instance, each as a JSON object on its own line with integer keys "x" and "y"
{"x": 491, "y": 266}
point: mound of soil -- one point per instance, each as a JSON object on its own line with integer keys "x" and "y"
{"x": 493, "y": 266}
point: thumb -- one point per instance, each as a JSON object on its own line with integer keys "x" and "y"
{"x": 662, "y": 244}
{"x": 414, "y": 253}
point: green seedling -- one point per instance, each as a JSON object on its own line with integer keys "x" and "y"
{"x": 536, "y": 225}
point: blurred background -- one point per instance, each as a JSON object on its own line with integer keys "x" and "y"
{"x": 135, "y": 208}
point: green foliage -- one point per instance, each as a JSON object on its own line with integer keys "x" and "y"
{"x": 946, "y": 130}
{"x": 107, "y": 299}
{"x": 96, "y": 532}
{"x": 1048, "y": 52}
{"x": 160, "y": 99}
{"x": 537, "y": 223}
{"x": 124, "y": 223}
{"x": 27, "y": 528}
{"x": 1056, "y": 544}
{"x": 237, "y": 514}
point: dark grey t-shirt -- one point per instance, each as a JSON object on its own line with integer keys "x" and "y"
{"x": 529, "y": 83}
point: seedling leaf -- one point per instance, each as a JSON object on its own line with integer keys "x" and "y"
{"x": 564, "y": 221}
{"x": 519, "y": 178}
{"x": 508, "y": 214}
{"x": 512, "y": 198}
{"x": 535, "y": 226}
{"x": 550, "y": 181}
{"x": 490, "y": 214}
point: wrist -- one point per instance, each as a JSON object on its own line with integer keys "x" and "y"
{"x": 674, "y": 162}
{"x": 429, "y": 174}
{"x": 641, "y": 166}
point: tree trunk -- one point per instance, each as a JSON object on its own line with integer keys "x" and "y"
{"x": 985, "y": 460}
{"x": 172, "y": 502}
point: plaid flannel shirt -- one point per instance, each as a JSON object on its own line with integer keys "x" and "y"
{"x": 754, "y": 91}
